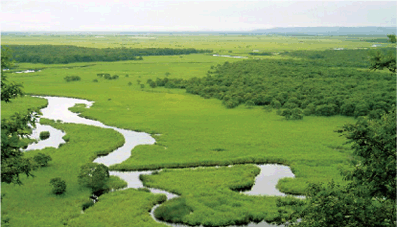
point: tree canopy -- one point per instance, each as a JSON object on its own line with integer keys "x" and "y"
{"x": 56, "y": 54}
{"x": 13, "y": 129}
{"x": 94, "y": 176}
{"x": 392, "y": 38}
{"x": 323, "y": 83}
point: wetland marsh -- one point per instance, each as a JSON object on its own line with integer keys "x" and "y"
{"x": 186, "y": 134}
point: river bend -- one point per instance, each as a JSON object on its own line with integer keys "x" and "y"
{"x": 58, "y": 109}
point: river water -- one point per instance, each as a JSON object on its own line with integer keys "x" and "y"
{"x": 58, "y": 109}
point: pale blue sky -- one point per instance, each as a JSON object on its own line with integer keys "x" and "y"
{"x": 178, "y": 15}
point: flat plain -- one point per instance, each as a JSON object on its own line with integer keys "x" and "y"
{"x": 189, "y": 130}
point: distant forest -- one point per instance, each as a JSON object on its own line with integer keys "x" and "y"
{"x": 61, "y": 54}
{"x": 323, "y": 83}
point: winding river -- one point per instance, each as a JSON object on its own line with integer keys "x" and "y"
{"x": 58, "y": 109}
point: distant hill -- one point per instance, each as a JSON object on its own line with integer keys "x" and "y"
{"x": 329, "y": 31}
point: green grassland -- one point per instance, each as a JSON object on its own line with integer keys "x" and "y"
{"x": 193, "y": 132}
{"x": 33, "y": 204}
{"x": 129, "y": 207}
{"x": 237, "y": 44}
{"x": 212, "y": 198}
{"x": 21, "y": 105}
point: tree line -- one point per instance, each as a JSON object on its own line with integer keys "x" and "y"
{"x": 62, "y": 54}
{"x": 295, "y": 87}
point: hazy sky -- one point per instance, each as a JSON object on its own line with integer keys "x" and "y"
{"x": 176, "y": 15}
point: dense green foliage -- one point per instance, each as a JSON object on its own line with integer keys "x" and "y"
{"x": 369, "y": 198}
{"x": 58, "y": 186}
{"x": 13, "y": 129}
{"x": 334, "y": 206}
{"x": 94, "y": 176}
{"x": 374, "y": 144}
{"x": 55, "y": 54}
{"x": 13, "y": 162}
{"x": 333, "y": 58}
{"x": 392, "y": 38}
{"x": 322, "y": 87}
{"x": 381, "y": 60}
{"x": 44, "y": 135}
{"x": 9, "y": 90}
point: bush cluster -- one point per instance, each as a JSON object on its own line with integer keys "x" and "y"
{"x": 58, "y": 186}
{"x": 107, "y": 76}
{"x": 72, "y": 78}
{"x": 298, "y": 87}
{"x": 44, "y": 135}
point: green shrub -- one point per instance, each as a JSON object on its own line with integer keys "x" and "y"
{"x": 376, "y": 114}
{"x": 347, "y": 109}
{"x": 231, "y": 103}
{"x": 72, "y": 78}
{"x": 44, "y": 135}
{"x": 297, "y": 114}
{"x": 249, "y": 104}
{"x": 58, "y": 186}
{"x": 152, "y": 84}
{"x": 129, "y": 83}
{"x": 276, "y": 104}
{"x": 361, "y": 109}
{"x": 326, "y": 110}
{"x": 94, "y": 80}
{"x": 87, "y": 205}
{"x": 287, "y": 113}
{"x": 290, "y": 105}
{"x": 142, "y": 86}
{"x": 42, "y": 159}
{"x": 310, "y": 109}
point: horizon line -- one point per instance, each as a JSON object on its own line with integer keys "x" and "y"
{"x": 231, "y": 31}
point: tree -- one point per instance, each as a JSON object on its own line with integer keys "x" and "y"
{"x": 392, "y": 38}
{"x": 58, "y": 186}
{"x": 13, "y": 129}
{"x": 94, "y": 176}
{"x": 13, "y": 162}
{"x": 374, "y": 144}
{"x": 369, "y": 198}
{"x": 379, "y": 61}
{"x": 9, "y": 90}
